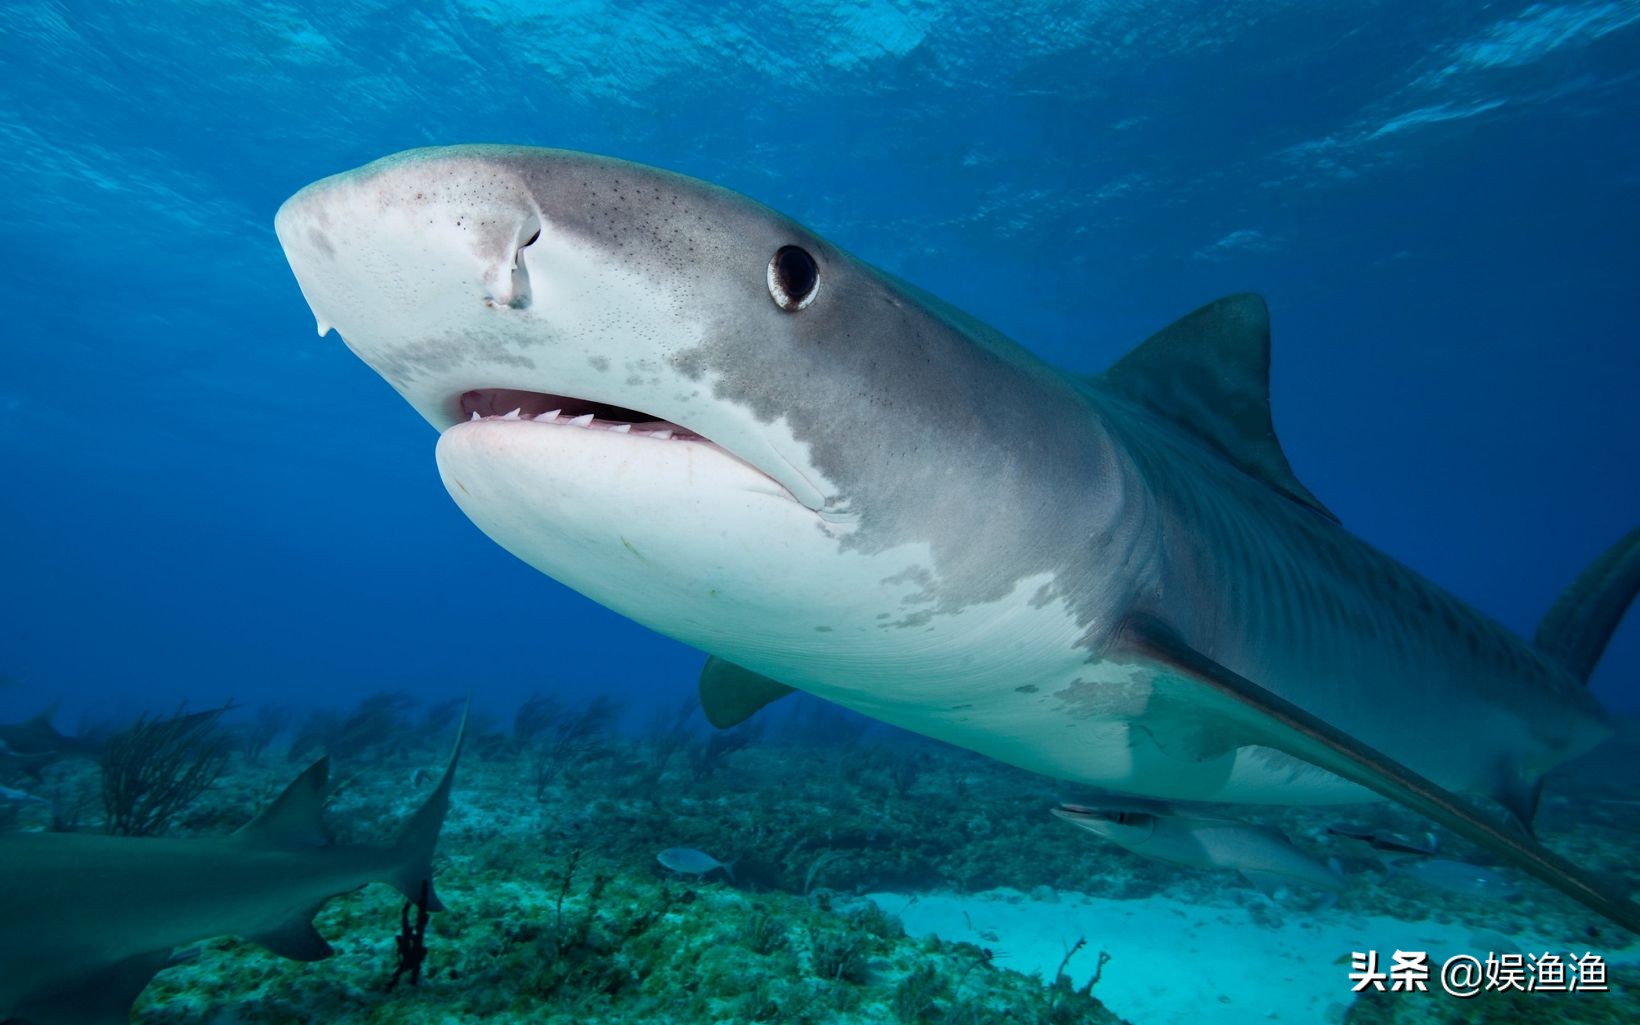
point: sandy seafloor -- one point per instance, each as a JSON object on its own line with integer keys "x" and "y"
{"x": 1175, "y": 962}
{"x": 878, "y": 878}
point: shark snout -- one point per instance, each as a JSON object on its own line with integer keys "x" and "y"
{"x": 411, "y": 243}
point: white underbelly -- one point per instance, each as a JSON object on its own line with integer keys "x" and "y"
{"x": 696, "y": 545}
{"x": 1090, "y": 728}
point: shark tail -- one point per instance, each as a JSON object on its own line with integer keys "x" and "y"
{"x": 412, "y": 863}
{"x": 1575, "y": 632}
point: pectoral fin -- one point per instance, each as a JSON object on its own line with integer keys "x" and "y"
{"x": 296, "y": 938}
{"x": 729, "y": 695}
{"x": 1273, "y": 721}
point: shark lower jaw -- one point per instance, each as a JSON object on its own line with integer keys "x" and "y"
{"x": 671, "y": 532}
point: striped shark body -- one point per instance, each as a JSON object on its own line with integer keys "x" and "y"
{"x": 708, "y": 418}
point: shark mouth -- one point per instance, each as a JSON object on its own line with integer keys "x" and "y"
{"x": 551, "y": 410}
{"x": 568, "y": 411}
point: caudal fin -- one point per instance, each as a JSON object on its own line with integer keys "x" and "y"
{"x": 412, "y": 872}
{"x": 1576, "y": 630}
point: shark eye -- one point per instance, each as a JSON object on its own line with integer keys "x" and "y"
{"x": 794, "y": 278}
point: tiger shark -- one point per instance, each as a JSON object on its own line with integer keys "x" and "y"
{"x": 699, "y": 413}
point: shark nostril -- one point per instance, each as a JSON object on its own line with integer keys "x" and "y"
{"x": 509, "y": 284}
{"x": 521, "y": 293}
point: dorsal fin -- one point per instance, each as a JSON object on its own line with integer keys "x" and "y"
{"x": 295, "y": 818}
{"x": 42, "y": 719}
{"x": 1209, "y": 373}
{"x": 40, "y": 728}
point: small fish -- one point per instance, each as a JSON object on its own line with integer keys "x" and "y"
{"x": 1460, "y": 877}
{"x": 10, "y": 796}
{"x": 1379, "y": 840}
{"x": 691, "y": 862}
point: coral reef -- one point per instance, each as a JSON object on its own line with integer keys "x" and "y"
{"x": 157, "y": 767}
{"x": 558, "y": 910}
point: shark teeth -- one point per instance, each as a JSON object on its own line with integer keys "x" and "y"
{"x": 587, "y": 421}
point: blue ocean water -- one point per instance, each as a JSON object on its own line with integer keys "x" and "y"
{"x": 204, "y": 500}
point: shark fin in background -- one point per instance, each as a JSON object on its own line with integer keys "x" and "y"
{"x": 1575, "y": 632}
{"x": 295, "y": 937}
{"x": 1520, "y": 796}
{"x": 729, "y": 695}
{"x": 41, "y": 721}
{"x": 412, "y": 870}
{"x": 101, "y": 998}
{"x": 1273, "y": 721}
{"x": 1209, "y": 373}
{"x": 296, "y": 817}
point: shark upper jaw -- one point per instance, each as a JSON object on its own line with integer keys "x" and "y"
{"x": 538, "y": 407}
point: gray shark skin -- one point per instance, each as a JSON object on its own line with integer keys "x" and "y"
{"x": 1151, "y": 830}
{"x": 88, "y": 920}
{"x": 697, "y": 412}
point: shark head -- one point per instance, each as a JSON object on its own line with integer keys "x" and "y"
{"x": 1125, "y": 824}
{"x": 679, "y": 402}
{"x": 478, "y": 280}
